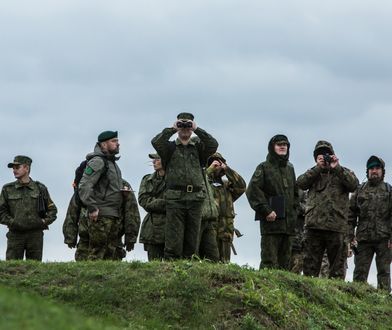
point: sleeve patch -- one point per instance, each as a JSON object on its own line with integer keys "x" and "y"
{"x": 258, "y": 173}
{"x": 88, "y": 170}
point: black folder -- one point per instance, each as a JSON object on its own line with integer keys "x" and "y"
{"x": 277, "y": 204}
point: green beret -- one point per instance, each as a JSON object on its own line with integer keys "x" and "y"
{"x": 374, "y": 161}
{"x": 185, "y": 115}
{"x": 154, "y": 156}
{"x": 107, "y": 135}
{"x": 19, "y": 160}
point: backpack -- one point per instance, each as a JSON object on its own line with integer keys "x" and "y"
{"x": 79, "y": 174}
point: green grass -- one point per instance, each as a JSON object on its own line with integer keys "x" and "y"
{"x": 194, "y": 295}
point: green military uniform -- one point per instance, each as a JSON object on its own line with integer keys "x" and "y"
{"x": 185, "y": 193}
{"x": 371, "y": 215}
{"x": 326, "y": 213}
{"x": 19, "y": 211}
{"x": 226, "y": 192}
{"x": 151, "y": 198}
{"x": 76, "y": 224}
{"x": 100, "y": 189}
{"x": 275, "y": 178}
{"x": 297, "y": 251}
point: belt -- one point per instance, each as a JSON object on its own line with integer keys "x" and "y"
{"x": 188, "y": 188}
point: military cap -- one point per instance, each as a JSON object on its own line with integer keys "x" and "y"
{"x": 215, "y": 156}
{"x": 107, "y": 135}
{"x": 19, "y": 160}
{"x": 374, "y": 161}
{"x": 154, "y": 156}
{"x": 185, "y": 116}
{"x": 323, "y": 147}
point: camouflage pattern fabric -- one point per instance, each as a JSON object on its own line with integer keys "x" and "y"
{"x": 316, "y": 242}
{"x": 18, "y": 211}
{"x": 185, "y": 193}
{"x": 20, "y": 243}
{"x": 296, "y": 262}
{"x": 371, "y": 214}
{"x": 274, "y": 177}
{"x": 151, "y": 198}
{"x": 82, "y": 248}
{"x": 276, "y": 251}
{"x": 71, "y": 223}
{"x": 226, "y": 192}
{"x": 208, "y": 246}
{"x": 103, "y": 238}
{"x": 363, "y": 260}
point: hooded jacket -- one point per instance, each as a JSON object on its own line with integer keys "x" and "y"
{"x": 328, "y": 194}
{"x": 101, "y": 183}
{"x": 274, "y": 177}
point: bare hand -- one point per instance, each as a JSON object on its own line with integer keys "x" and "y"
{"x": 389, "y": 244}
{"x": 175, "y": 125}
{"x": 93, "y": 216}
{"x": 194, "y": 126}
{"x": 334, "y": 161}
{"x": 271, "y": 217}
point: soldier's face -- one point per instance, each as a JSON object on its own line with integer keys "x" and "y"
{"x": 111, "y": 146}
{"x": 375, "y": 172}
{"x": 20, "y": 171}
{"x": 157, "y": 164}
{"x": 281, "y": 148}
{"x": 320, "y": 161}
{"x": 185, "y": 133}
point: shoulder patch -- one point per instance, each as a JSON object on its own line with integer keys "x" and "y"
{"x": 258, "y": 173}
{"x": 88, "y": 170}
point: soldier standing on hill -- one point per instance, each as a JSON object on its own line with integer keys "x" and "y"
{"x": 371, "y": 215}
{"x": 226, "y": 192}
{"x": 273, "y": 194}
{"x": 27, "y": 209}
{"x": 183, "y": 161}
{"x": 326, "y": 222}
{"x": 151, "y": 198}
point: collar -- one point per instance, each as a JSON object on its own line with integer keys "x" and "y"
{"x": 191, "y": 142}
{"x": 19, "y": 185}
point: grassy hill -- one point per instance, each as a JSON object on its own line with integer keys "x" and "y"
{"x": 181, "y": 295}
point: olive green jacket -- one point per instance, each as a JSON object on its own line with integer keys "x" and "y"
{"x": 274, "y": 177}
{"x": 100, "y": 187}
{"x": 183, "y": 163}
{"x": 151, "y": 198}
{"x": 18, "y": 207}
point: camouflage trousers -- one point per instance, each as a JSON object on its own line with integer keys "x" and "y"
{"x": 316, "y": 243}
{"x": 324, "y": 269}
{"x": 208, "y": 246}
{"x": 103, "y": 238}
{"x": 29, "y": 244}
{"x": 82, "y": 248}
{"x": 276, "y": 251}
{"x": 296, "y": 261}
{"x": 154, "y": 251}
{"x": 363, "y": 260}
{"x": 183, "y": 221}
{"x": 225, "y": 234}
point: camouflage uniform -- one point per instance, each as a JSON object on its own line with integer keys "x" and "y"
{"x": 371, "y": 215}
{"x": 226, "y": 192}
{"x": 326, "y": 213}
{"x": 275, "y": 177}
{"x": 151, "y": 198}
{"x": 297, "y": 251}
{"x": 103, "y": 192}
{"x": 19, "y": 211}
{"x": 76, "y": 224}
{"x": 185, "y": 193}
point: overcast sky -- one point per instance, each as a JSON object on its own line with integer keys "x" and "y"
{"x": 247, "y": 70}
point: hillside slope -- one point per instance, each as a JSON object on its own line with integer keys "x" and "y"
{"x": 196, "y": 295}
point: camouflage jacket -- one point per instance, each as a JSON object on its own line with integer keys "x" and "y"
{"x": 18, "y": 207}
{"x": 130, "y": 216}
{"x": 299, "y": 228}
{"x": 151, "y": 198}
{"x": 371, "y": 212}
{"x": 274, "y": 178}
{"x": 226, "y": 192}
{"x": 100, "y": 187}
{"x": 328, "y": 197}
{"x": 183, "y": 163}
{"x": 71, "y": 222}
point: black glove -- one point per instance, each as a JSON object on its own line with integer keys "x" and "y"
{"x": 129, "y": 246}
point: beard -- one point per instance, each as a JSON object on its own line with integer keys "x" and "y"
{"x": 375, "y": 179}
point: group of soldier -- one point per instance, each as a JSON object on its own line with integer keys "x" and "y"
{"x": 307, "y": 223}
